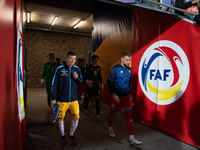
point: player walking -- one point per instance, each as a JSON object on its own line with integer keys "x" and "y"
{"x": 93, "y": 77}
{"x": 64, "y": 91}
{"x": 119, "y": 84}
{"x": 48, "y": 71}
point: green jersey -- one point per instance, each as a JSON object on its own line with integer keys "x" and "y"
{"x": 48, "y": 71}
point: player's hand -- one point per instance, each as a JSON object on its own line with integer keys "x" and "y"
{"x": 198, "y": 5}
{"x": 52, "y": 103}
{"x": 131, "y": 98}
{"x": 116, "y": 98}
{"x": 75, "y": 75}
{"x": 102, "y": 87}
{"x": 132, "y": 103}
{"x": 41, "y": 83}
{"x": 89, "y": 83}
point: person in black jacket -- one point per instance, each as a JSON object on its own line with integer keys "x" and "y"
{"x": 190, "y": 5}
{"x": 64, "y": 91}
{"x": 93, "y": 77}
{"x": 184, "y": 4}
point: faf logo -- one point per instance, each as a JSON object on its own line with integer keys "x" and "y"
{"x": 164, "y": 72}
{"x": 19, "y": 69}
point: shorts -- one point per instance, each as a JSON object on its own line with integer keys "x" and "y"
{"x": 64, "y": 106}
{"x": 81, "y": 88}
{"x": 92, "y": 91}
{"x": 124, "y": 102}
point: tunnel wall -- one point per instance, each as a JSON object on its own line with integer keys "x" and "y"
{"x": 40, "y": 44}
{"x": 164, "y": 63}
{"x": 12, "y": 122}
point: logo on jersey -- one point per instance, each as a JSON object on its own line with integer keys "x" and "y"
{"x": 95, "y": 73}
{"x": 164, "y": 72}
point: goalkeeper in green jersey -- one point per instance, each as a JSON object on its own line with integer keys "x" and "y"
{"x": 48, "y": 71}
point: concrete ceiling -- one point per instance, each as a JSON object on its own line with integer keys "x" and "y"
{"x": 69, "y": 13}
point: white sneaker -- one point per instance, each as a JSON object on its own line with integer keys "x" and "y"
{"x": 111, "y": 133}
{"x": 134, "y": 142}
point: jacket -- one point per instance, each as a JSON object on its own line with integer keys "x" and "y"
{"x": 63, "y": 87}
{"x": 119, "y": 80}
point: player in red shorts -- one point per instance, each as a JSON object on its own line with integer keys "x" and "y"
{"x": 119, "y": 85}
{"x": 82, "y": 87}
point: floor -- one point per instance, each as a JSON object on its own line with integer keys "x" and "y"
{"x": 90, "y": 134}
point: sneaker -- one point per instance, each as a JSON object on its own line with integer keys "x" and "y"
{"x": 134, "y": 142}
{"x": 50, "y": 110}
{"x": 98, "y": 118}
{"x": 63, "y": 140}
{"x": 111, "y": 133}
{"x": 72, "y": 138}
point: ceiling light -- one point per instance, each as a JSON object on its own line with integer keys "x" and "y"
{"x": 28, "y": 17}
{"x": 54, "y": 20}
{"x": 78, "y": 24}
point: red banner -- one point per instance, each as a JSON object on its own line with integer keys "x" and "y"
{"x": 12, "y": 121}
{"x": 165, "y": 65}
{"x": 20, "y": 77}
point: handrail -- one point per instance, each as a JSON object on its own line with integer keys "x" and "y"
{"x": 175, "y": 8}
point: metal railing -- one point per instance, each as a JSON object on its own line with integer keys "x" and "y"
{"x": 158, "y": 3}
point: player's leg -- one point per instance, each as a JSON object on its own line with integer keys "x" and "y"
{"x": 97, "y": 105}
{"x": 88, "y": 96}
{"x": 96, "y": 94}
{"x": 79, "y": 91}
{"x": 49, "y": 103}
{"x": 49, "y": 98}
{"x": 113, "y": 109}
{"x": 74, "y": 109}
{"x": 61, "y": 116}
{"x": 127, "y": 107}
{"x": 83, "y": 94}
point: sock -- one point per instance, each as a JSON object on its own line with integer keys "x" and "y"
{"x": 109, "y": 128}
{"x": 131, "y": 137}
{"x": 61, "y": 126}
{"x": 111, "y": 117}
{"x": 129, "y": 121}
{"x": 97, "y": 106}
{"x": 74, "y": 125}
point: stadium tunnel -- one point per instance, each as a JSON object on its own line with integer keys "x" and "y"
{"x": 163, "y": 102}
